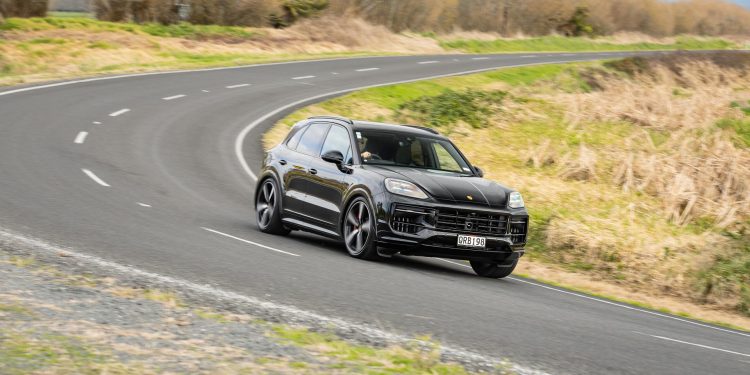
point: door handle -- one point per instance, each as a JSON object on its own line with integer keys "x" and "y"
{"x": 313, "y": 171}
{"x": 282, "y": 162}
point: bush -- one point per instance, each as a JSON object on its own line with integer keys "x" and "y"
{"x": 23, "y": 8}
{"x": 450, "y": 107}
{"x": 295, "y": 10}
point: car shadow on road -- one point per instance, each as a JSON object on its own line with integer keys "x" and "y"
{"x": 400, "y": 261}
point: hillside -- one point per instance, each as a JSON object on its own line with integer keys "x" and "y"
{"x": 636, "y": 172}
{"x": 39, "y": 49}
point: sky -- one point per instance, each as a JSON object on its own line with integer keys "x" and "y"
{"x": 746, "y": 3}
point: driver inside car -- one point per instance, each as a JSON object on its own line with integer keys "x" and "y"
{"x": 365, "y": 154}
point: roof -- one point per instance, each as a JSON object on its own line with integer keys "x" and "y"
{"x": 412, "y": 129}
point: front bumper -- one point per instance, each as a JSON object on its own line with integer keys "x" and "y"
{"x": 429, "y": 228}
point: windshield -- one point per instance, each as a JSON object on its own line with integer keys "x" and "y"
{"x": 408, "y": 150}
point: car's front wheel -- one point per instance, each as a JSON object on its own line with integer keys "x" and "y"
{"x": 268, "y": 209}
{"x": 493, "y": 270}
{"x": 359, "y": 230}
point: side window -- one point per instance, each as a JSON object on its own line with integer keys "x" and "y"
{"x": 294, "y": 137}
{"x": 312, "y": 139}
{"x": 445, "y": 159}
{"x": 337, "y": 140}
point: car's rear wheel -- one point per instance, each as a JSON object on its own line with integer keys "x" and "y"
{"x": 493, "y": 270}
{"x": 268, "y": 209}
{"x": 359, "y": 230}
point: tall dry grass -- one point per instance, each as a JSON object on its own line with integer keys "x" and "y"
{"x": 697, "y": 172}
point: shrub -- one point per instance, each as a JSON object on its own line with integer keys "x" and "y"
{"x": 450, "y": 107}
{"x": 23, "y": 8}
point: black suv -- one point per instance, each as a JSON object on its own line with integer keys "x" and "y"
{"x": 386, "y": 189}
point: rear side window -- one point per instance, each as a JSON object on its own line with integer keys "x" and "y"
{"x": 294, "y": 136}
{"x": 312, "y": 139}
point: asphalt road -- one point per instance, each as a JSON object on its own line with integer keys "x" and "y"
{"x": 160, "y": 187}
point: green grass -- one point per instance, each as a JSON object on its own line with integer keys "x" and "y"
{"x": 563, "y": 44}
{"x": 740, "y": 127}
{"x": 180, "y": 30}
{"x": 421, "y": 358}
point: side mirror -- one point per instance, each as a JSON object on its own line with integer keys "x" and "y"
{"x": 480, "y": 172}
{"x": 334, "y": 157}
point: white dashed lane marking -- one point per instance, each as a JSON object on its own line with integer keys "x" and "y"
{"x": 173, "y": 97}
{"x": 81, "y": 137}
{"x": 367, "y": 69}
{"x": 95, "y": 177}
{"x": 120, "y": 112}
{"x": 428, "y": 62}
{"x": 238, "y": 85}
{"x": 248, "y": 241}
{"x": 303, "y": 77}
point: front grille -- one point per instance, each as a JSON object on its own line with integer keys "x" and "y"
{"x": 472, "y": 222}
{"x": 412, "y": 219}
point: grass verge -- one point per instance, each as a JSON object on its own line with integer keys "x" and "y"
{"x": 44, "y": 330}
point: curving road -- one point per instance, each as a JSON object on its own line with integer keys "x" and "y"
{"x": 144, "y": 170}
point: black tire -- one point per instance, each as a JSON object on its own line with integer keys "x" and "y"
{"x": 493, "y": 270}
{"x": 268, "y": 208}
{"x": 359, "y": 230}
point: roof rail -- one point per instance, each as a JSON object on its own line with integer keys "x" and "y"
{"x": 431, "y": 130}
{"x": 340, "y": 118}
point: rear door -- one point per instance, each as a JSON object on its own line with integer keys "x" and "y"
{"x": 297, "y": 181}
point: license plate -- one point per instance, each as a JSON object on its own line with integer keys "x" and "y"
{"x": 471, "y": 241}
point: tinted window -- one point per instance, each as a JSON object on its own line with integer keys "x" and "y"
{"x": 337, "y": 140}
{"x": 409, "y": 150}
{"x": 294, "y": 136}
{"x": 312, "y": 139}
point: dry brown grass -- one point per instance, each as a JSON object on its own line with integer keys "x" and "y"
{"x": 29, "y": 56}
{"x": 698, "y": 172}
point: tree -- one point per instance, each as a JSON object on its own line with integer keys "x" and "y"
{"x": 578, "y": 24}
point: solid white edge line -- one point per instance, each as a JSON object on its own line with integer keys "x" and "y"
{"x": 168, "y": 98}
{"x": 249, "y": 242}
{"x": 366, "y": 69}
{"x": 693, "y": 344}
{"x": 265, "y": 305}
{"x": 238, "y": 85}
{"x": 240, "y": 140}
{"x": 94, "y": 177}
{"x": 81, "y": 137}
{"x": 120, "y": 112}
{"x": 303, "y": 77}
{"x": 429, "y": 62}
{"x": 612, "y": 303}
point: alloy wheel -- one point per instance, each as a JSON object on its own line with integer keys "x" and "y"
{"x": 266, "y": 203}
{"x": 357, "y": 227}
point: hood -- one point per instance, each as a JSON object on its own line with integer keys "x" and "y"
{"x": 450, "y": 187}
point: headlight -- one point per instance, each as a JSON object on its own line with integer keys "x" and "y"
{"x": 404, "y": 188}
{"x": 515, "y": 200}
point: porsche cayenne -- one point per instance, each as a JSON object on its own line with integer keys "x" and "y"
{"x": 389, "y": 189}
